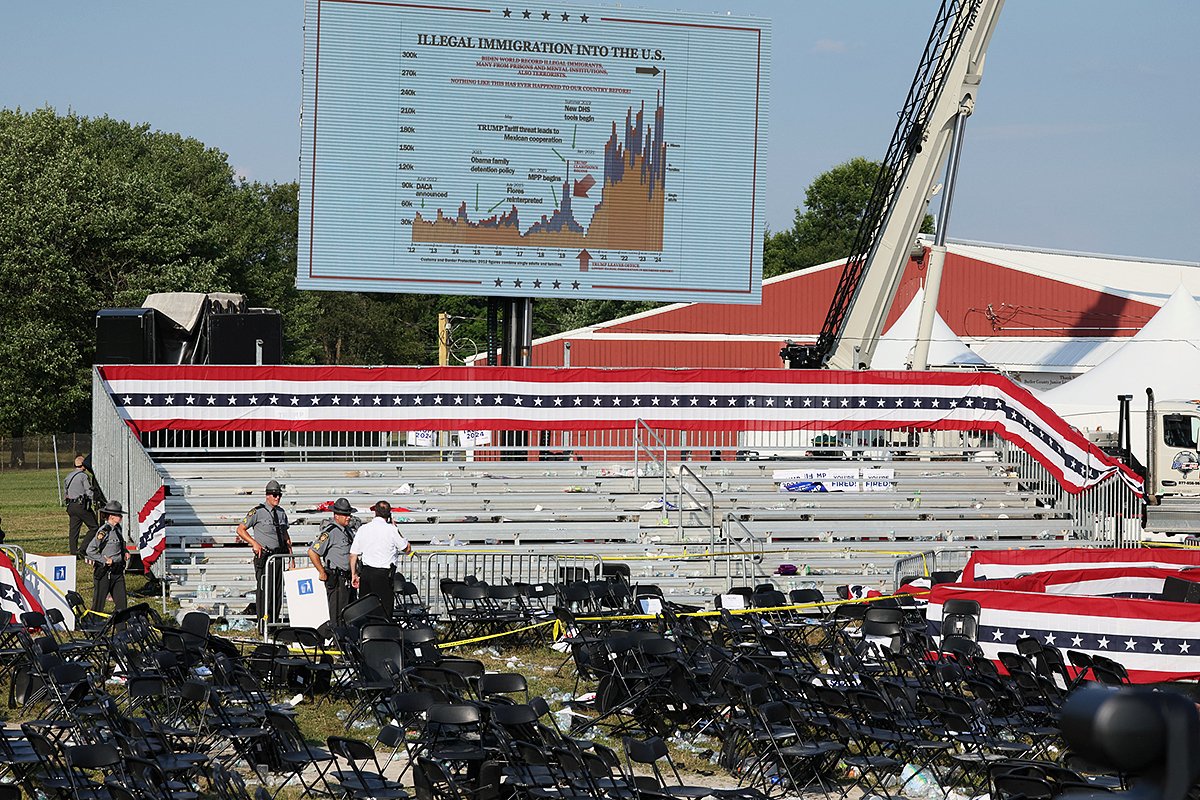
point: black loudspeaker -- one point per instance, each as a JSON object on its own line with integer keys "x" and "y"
{"x": 232, "y": 337}
{"x": 126, "y": 336}
{"x": 1178, "y": 590}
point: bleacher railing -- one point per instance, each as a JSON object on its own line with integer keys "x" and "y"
{"x": 1110, "y": 512}
{"x": 642, "y": 447}
{"x": 123, "y": 468}
{"x": 707, "y": 511}
{"x": 745, "y": 550}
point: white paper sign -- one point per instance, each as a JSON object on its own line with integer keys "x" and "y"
{"x": 421, "y": 438}
{"x": 868, "y": 479}
{"x": 305, "y": 596}
{"x": 818, "y": 480}
{"x": 733, "y": 601}
{"x": 879, "y": 479}
{"x": 474, "y": 438}
{"x": 49, "y": 579}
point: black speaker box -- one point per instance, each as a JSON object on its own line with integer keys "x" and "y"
{"x": 1179, "y": 590}
{"x": 232, "y": 337}
{"x": 126, "y": 336}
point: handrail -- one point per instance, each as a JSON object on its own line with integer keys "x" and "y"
{"x": 712, "y": 504}
{"x": 754, "y": 554}
{"x": 638, "y": 446}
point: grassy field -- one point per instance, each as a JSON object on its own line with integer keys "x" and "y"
{"x": 29, "y": 507}
{"x": 33, "y": 518}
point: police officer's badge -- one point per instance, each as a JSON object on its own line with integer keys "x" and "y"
{"x": 322, "y": 538}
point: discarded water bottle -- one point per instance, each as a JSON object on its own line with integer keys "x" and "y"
{"x": 919, "y": 784}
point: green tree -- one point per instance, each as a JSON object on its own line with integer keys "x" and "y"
{"x": 97, "y": 213}
{"x": 825, "y": 228}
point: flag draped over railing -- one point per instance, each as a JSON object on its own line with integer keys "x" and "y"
{"x": 1100, "y": 602}
{"x": 152, "y": 528}
{"x": 15, "y": 597}
{"x": 151, "y": 398}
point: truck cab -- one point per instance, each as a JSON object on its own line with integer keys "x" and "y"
{"x": 1175, "y": 448}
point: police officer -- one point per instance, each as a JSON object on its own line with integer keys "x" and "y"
{"x": 330, "y": 554}
{"x": 80, "y": 497}
{"x": 265, "y": 529}
{"x": 107, "y": 552}
{"x": 376, "y": 550}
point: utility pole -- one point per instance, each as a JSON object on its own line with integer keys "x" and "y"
{"x": 443, "y": 339}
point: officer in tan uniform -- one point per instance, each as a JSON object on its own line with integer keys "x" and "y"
{"x": 107, "y": 552}
{"x": 330, "y": 554}
{"x": 265, "y": 529}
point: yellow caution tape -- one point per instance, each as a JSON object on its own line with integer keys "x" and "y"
{"x": 444, "y": 645}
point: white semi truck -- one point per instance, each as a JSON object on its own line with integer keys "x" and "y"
{"x": 1172, "y": 468}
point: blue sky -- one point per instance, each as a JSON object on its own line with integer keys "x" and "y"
{"x": 1084, "y": 137}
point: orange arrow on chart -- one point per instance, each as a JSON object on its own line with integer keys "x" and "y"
{"x": 583, "y": 184}
{"x": 584, "y": 259}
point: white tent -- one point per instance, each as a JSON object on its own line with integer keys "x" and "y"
{"x": 895, "y": 347}
{"x": 1164, "y": 355}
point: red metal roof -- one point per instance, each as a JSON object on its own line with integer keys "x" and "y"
{"x": 977, "y": 298}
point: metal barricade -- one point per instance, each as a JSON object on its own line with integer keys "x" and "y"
{"x": 16, "y": 554}
{"x": 273, "y": 615}
{"x": 948, "y": 560}
{"x": 907, "y": 566}
{"x": 430, "y": 568}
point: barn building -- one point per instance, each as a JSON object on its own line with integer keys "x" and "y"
{"x": 1040, "y": 316}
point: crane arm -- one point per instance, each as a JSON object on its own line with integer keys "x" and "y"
{"x": 945, "y": 86}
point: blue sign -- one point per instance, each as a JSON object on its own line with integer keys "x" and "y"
{"x": 306, "y": 586}
{"x": 484, "y": 149}
{"x": 60, "y": 573}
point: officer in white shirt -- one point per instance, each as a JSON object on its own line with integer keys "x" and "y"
{"x": 377, "y": 550}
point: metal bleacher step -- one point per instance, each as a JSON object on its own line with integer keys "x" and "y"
{"x": 602, "y": 508}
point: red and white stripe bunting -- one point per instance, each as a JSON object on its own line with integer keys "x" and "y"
{"x": 500, "y": 398}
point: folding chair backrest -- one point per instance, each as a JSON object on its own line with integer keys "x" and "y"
{"x": 1026, "y": 787}
{"x": 381, "y": 659}
{"x": 196, "y": 623}
{"x": 33, "y": 619}
{"x": 92, "y": 756}
{"x": 505, "y": 594}
{"x": 1109, "y": 672}
{"x": 365, "y": 607}
{"x": 380, "y": 630}
{"x": 350, "y": 749}
{"x": 962, "y": 648}
{"x": 494, "y": 683}
{"x": 771, "y": 598}
{"x": 469, "y": 668}
{"x": 851, "y": 611}
{"x": 799, "y": 596}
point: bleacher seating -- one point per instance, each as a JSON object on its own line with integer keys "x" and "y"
{"x": 599, "y": 507}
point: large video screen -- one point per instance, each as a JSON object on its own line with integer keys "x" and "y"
{"x": 547, "y": 150}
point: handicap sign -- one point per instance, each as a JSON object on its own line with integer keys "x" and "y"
{"x": 60, "y": 573}
{"x": 305, "y": 586}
